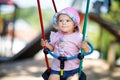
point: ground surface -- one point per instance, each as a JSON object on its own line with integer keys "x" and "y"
{"x": 31, "y": 69}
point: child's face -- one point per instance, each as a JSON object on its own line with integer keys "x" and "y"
{"x": 66, "y": 24}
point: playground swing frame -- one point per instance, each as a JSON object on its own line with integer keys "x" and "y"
{"x": 80, "y": 56}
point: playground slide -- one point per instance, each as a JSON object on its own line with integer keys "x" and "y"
{"x": 30, "y": 50}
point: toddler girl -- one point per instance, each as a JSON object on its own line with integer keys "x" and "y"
{"x": 67, "y": 41}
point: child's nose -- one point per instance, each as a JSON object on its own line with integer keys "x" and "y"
{"x": 64, "y": 22}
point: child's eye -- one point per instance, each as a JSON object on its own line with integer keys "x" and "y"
{"x": 68, "y": 20}
{"x": 60, "y": 20}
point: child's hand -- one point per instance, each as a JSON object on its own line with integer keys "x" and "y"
{"x": 43, "y": 42}
{"x": 85, "y": 46}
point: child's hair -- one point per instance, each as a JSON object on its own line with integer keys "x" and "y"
{"x": 72, "y": 13}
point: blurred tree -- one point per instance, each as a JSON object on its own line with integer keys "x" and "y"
{"x": 31, "y": 16}
{"x": 114, "y": 14}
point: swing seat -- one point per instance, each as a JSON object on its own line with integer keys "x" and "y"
{"x": 83, "y": 76}
{"x": 46, "y": 75}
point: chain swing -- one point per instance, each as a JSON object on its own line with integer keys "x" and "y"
{"x": 81, "y": 55}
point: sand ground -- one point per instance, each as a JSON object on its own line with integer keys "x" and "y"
{"x": 32, "y": 69}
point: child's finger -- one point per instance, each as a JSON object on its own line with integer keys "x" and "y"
{"x": 43, "y": 43}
